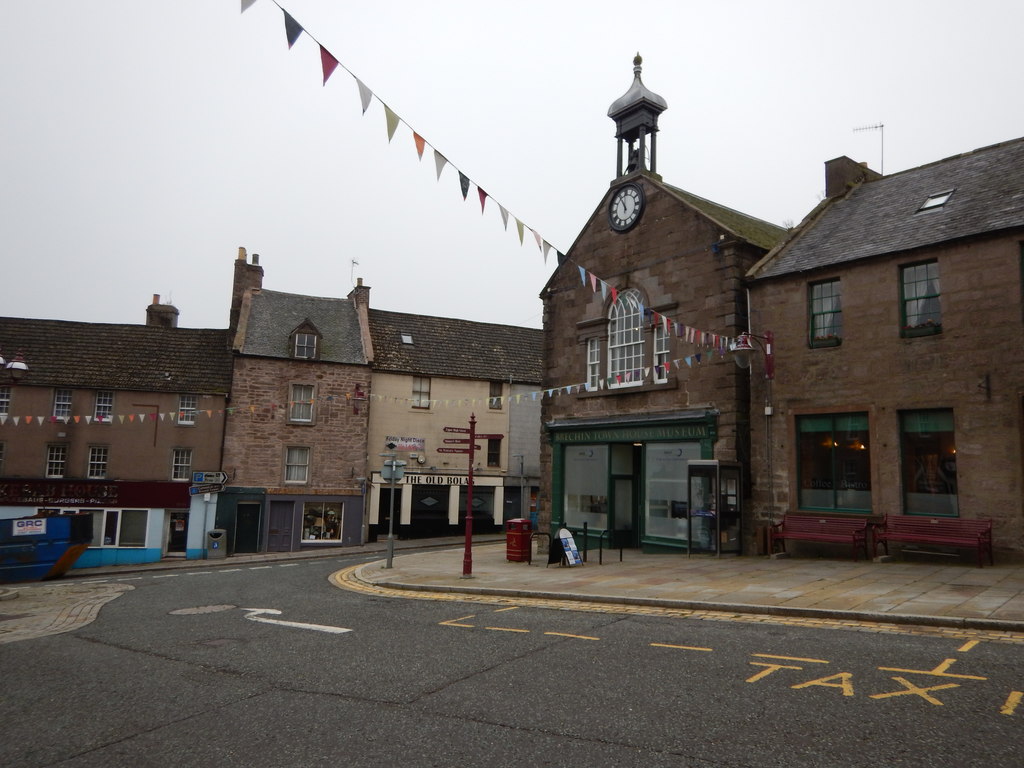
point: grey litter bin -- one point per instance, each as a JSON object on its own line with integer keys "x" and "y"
{"x": 216, "y": 544}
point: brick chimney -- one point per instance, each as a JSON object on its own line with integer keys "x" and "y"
{"x": 360, "y": 298}
{"x": 843, "y": 173}
{"x": 247, "y": 276}
{"x": 161, "y": 315}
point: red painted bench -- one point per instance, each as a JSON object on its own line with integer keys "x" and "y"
{"x": 836, "y": 530}
{"x": 937, "y": 531}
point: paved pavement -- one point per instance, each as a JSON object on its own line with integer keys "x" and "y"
{"x": 902, "y": 591}
{"x": 910, "y": 589}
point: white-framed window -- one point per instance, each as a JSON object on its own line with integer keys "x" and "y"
{"x": 494, "y": 395}
{"x": 593, "y": 364}
{"x": 187, "y": 407}
{"x": 119, "y": 527}
{"x": 56, "y": 460}
{"x": 181, "y": 464}
{"x": 305, "y": 346}
{"x": 323, "y": 521}
{"x": 296, "y": 464}
{"x": 99, "y": 455}
{"x": 626, "y": 340}
{"x": 5, "y": 401}
{"x": 103, "y": 410}
{"x": 300, "y": 403}
{"x": 661, "y": 341}
{"x": 420, "y": 391}
{"x": 62, "y": 404}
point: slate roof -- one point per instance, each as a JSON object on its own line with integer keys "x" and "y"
{"x": 144, "y": 358}
{"x": 757, "y": 231}
{"x": 272, "y": 316}
{"x": 882, "y": 216}
{"x": 457, "y": 348}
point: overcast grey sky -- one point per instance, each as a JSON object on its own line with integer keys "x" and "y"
{"x": 144, "y": 142}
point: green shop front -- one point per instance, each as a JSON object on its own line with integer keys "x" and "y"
{"x": 648, "y": 483}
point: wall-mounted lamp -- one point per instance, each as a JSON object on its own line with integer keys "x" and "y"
{"x": 744, "y": 347}
{"x": 15, "y": 368}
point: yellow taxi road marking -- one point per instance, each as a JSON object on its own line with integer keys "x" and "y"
{"x": 788, "y": 658}
{"x": 1011, "y": 703}
{"x": 682, "y": 647}
{"x": 508, "y": 629}
{"x": 939, "y": 671}
{"x": 574, "y": 637}
{"x": 967, "y": 646}
{"x": 512, "y": 608}
{"x": 911, "y": 688}
{"x": 769, "y": 669}
{"x": 455, "y": 622}
{"x": 844, "y": 683}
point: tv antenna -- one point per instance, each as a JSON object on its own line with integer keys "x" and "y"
{"x": 880, "y": 127}
{"x": 352, "y": 272}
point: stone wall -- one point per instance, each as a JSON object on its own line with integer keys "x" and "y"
{"x": 974, "y": 367}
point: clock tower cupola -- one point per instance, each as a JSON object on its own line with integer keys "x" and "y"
{"x": 636, "y": 125}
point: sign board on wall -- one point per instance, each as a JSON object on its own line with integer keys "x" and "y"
{"x": 405, "y": 443}
{"x": 32, "y": 527}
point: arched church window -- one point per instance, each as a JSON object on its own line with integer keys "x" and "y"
{"x": 626, "y": 340}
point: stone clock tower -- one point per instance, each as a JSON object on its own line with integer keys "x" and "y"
{"x": 636, "y": 125}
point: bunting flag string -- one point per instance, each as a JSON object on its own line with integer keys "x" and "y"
{"x": 347, "y": 399}
{"x": 329, "y": 63}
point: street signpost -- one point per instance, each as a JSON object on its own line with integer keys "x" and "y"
{"x": 392, "y": 471}
{"x": 203, "y": 478}
{"x": 468, "y": 446}
{"x": 198, "y": 490}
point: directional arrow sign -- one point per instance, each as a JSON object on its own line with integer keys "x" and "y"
{"x": 461, "y": 430}
{"x": 197, "y": 490}
{"x": 209, "y": 477}
{"x": 253, "y": 614}
{"x": 457, "y": 440}
{"x": 453, "y": 450}
{"x": 478, "y": 436}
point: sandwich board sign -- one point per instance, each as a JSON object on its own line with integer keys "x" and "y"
{"x": 572, "y": 554}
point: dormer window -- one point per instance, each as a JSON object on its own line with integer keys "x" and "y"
{"x": 935, "y": 201}
{"x": 305, "y": 342}
{"x": 305, "y": 345}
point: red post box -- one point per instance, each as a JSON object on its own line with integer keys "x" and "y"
{"x": 517, "y": 540}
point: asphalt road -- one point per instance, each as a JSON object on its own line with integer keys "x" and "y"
{"x": 193, "y": 667}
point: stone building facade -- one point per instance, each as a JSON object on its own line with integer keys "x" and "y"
{"x": 295, "y": 444}
{"x": 431, "y": 375}
{"x": 645, "y": 414}
{"x": 112, "y": 420}
{"x": 896, "y": 309}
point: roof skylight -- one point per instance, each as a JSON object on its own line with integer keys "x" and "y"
{"x": 935, "y": 201}
{"x": 407, "y": 338}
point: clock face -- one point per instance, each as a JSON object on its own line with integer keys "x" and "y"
{"x": 626, "y": 206}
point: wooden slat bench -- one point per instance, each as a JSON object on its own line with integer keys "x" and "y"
{"x": 836, "y": 530}
{"x": 937, "y": 531}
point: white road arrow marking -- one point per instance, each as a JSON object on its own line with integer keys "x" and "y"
{"x": 253, "y": 614}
